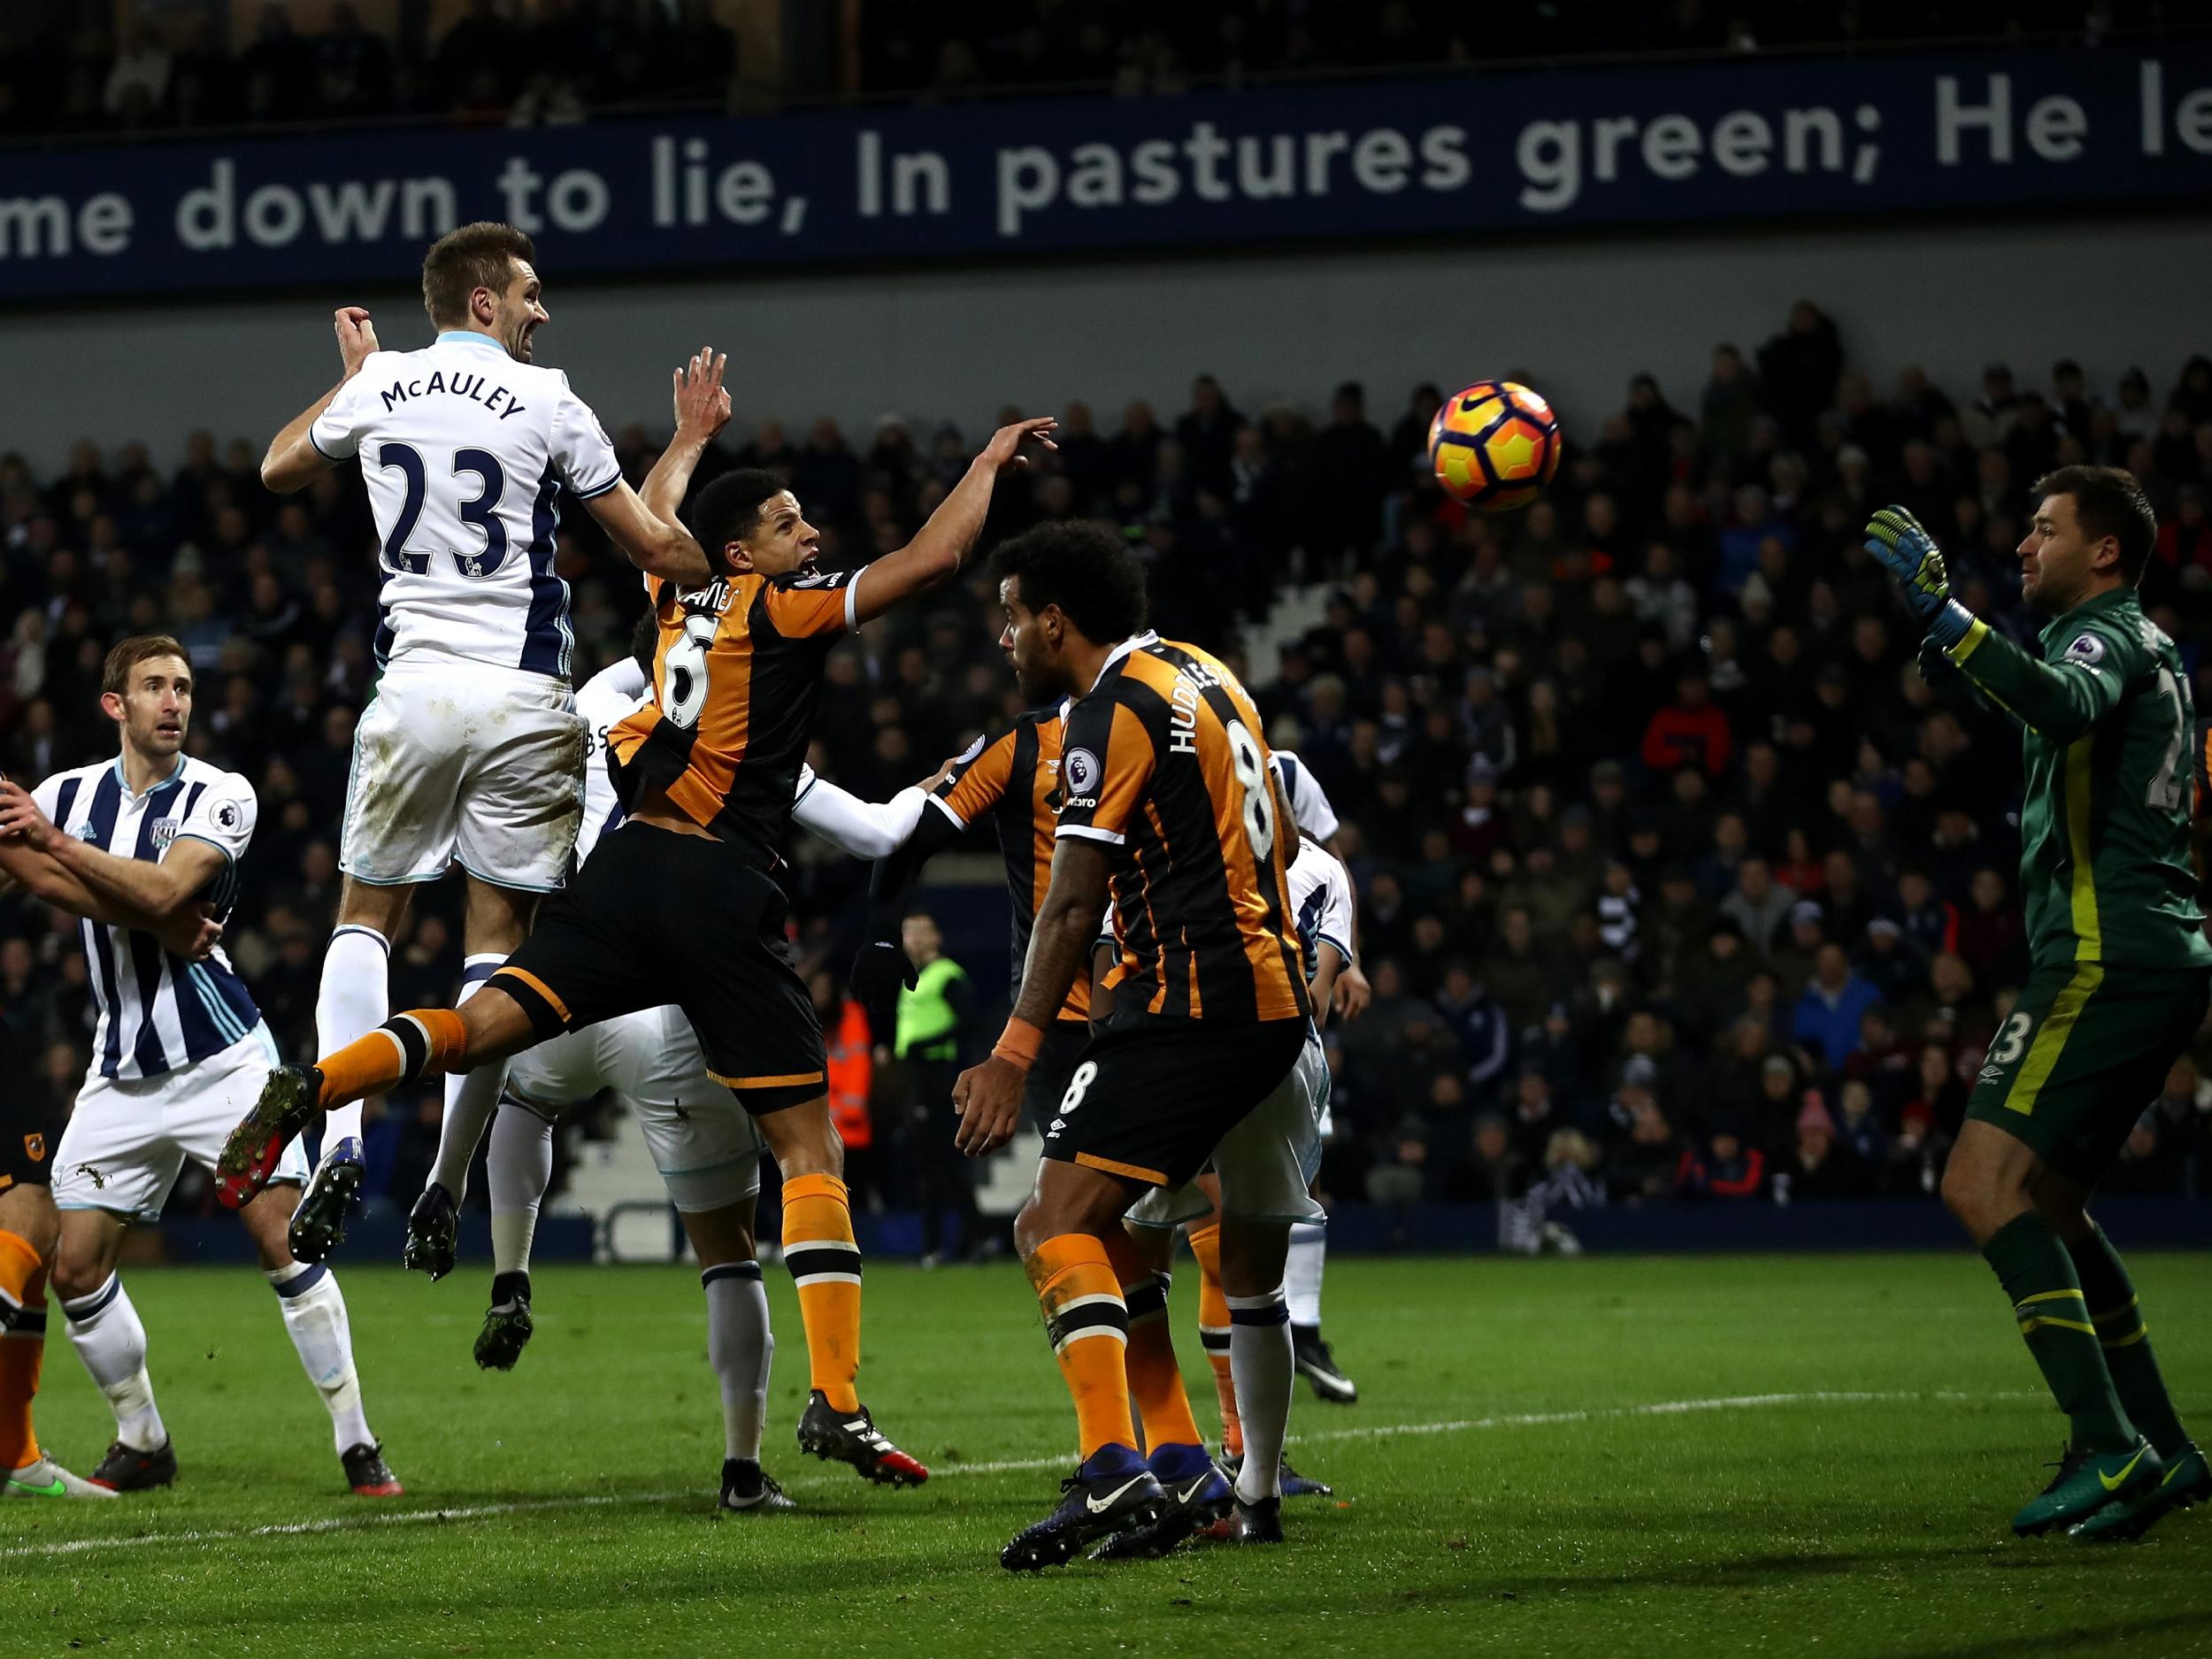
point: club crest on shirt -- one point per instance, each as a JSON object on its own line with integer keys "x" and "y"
{"x": 164, "y": 831}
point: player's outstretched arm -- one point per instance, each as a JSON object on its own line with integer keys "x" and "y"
{"x": 989, "y": 1096}
{"x": 865, "y": 829}
{"x": 644, "y": 524}
{"x": 940, "y": 546}
{"x": 292, "y": 460}
{"x": 2060, "y": 701}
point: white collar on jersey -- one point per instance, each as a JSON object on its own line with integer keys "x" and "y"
{"x": 122, "y": 778}
{"x": 1134, "y": 642}
{"x": 468, "y": 337}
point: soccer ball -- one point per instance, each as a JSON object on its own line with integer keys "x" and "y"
{"x": 1495, "y": 446}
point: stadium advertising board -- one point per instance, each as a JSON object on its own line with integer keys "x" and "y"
{"x": 1444, "y": 155}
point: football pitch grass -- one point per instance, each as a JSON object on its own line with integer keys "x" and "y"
{"x": 1692, "y": 1455}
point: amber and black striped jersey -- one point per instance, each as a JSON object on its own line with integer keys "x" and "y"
{"x": 2200, "y": 806}
{"x": 1014, "y": 780}
{"x": 736, "y": 676}
{"x": 1163, "y": 762}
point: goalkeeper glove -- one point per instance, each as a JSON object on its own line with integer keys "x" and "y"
{"x": 1909, "y": 553}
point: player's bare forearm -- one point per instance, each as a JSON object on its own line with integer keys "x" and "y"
{"x": 664, "y": 486}
{"x": 158, "y": 894}
{"x": 657, "y": 546}
{"x": 42, "y": 875}
{"x": 293, "y": 462}
{"x": 1332, "y": 963}
{"x": 1066, "y": 928}
{"x": 940, "y": 546}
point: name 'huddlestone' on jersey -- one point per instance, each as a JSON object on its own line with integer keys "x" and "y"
{"x": 157, "y": 1010}
{"x": 1163, "y": 761}
{"x": 466, "y": 452}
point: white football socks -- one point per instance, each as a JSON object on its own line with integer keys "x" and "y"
{"x": 518, "y": 1169}
{"x": 1302, "y": 1272}
{"x": 108, "y": 1335}
{"x": 1260, "y": 1362}
{"x": 354, "y": 999}
{"x": 742, "y": 1348}
{"x": 470, "y": 1098}
{"x": 315, "y": 1319}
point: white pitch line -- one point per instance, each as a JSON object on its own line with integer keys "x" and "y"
{"x": 1543, "y": 1419}
{"x": 336, "y": 1523}
{"x": 1387, "y": 1430}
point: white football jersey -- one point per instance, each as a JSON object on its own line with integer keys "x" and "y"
{"x": 158, "y": 1011}
{"x": 1322, "y": 900}
{"x": 466, "y": 452}
{"x": 1309, "y": 802}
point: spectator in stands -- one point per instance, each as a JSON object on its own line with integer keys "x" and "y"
{"x": 1819, "y": 1165}
{"x": 1828, "y": 1019}
{"x": 1724, "y": 1165}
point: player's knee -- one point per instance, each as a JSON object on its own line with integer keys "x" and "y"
{"x": 382, "y": 910}
{"x": 79, "y": 1269}
{"x": 1252, "y": 1257}
{"x": 497, "y": 1025}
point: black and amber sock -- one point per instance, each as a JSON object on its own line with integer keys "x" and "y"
{"x": 22, "y": 1348}
{"x": 418, "y": 1043}
{"x": 1087, "y": 1324}
{"x": 1155, "y": 1381}
{"x": 819, "y": 1249}
{"x": 2125, "y": 1339}
{"x": 1213, "y": 1332}
{"x": 2039, "y": 1276}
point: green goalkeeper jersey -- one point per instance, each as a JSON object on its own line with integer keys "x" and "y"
{"x": 2104, "y": 821}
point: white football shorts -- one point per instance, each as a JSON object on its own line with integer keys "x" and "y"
{"x": 464, "y": 763}
{"x": 128, "y": 1139}
{"x": 704, "y": 1144}
{"x": 1266, "y": 1163}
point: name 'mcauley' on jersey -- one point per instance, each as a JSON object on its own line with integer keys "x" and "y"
{"x": 466, "y": 452}
{"x": 155, "y": 1010}
{"x": 1163, "y": 761}
{"x": 1014, "y": 780}
{"x": 737, "y": 673}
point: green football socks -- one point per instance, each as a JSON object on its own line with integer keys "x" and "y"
{"x": 2039, "y": 1276}
{"x": 2128, "y": 1358}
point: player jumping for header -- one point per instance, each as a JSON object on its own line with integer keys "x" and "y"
{"x": 472, "y": 750}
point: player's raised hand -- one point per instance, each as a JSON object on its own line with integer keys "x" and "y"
{"x": 356, "y": 336}
{"x": 1910, "y": 554}
{"x": 988, "y": 1098}
{"x": 20, "y": 817}
{"x": 702, "y": 407}
{"x": 1004, "y": 450}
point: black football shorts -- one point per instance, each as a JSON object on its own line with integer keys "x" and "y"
{"x": 1153, "y": 1094}
{"x": 27, "y": 1137}
{"x": 655, "y": 918}
{"x": 1057, "y": 1055}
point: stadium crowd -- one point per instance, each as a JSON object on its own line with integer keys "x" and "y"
{"x": 544, "y": 62}
{"x": 1678, "y": 881}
